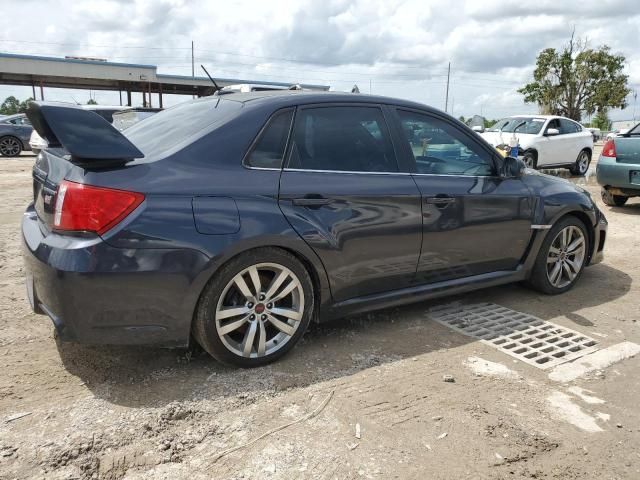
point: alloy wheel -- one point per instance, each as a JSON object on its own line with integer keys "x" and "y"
{"x": 566, "y": 256}
{"x": 9, "y": 147}
{"x": 259, "y": 310}
{"x": 583, "y": 162}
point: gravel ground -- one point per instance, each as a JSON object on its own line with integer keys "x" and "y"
{"x": 365, "y": 396}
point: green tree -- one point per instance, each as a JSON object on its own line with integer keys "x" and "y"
{"x": 12, "y": 105}
{"x": 577, "y": 80}
{"x": 462, "y": 119}
{"x": 601, "y": 120}
{"x": 91, "y": 101}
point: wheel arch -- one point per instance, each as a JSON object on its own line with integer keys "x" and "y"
{"x": 588, "y": 150}
{"x": 303, "y": 254}
{"x": 584, "y": 218}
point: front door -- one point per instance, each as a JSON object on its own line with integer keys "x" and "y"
{"x": 474, "y": 222}
{"x": 344, "y": 194}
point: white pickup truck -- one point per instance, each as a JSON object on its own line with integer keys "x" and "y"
{"x": 545, "y": 141}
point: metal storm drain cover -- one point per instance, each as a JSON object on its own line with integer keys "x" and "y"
{"x": 525, "y": 337}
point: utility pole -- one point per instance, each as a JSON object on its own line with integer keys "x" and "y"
{"x": 446, "y": 99}
{"x": 370, "y": 90}
{"x": 193, "y": 66}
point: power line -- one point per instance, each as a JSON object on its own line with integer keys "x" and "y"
{"x": 282, "y": 59}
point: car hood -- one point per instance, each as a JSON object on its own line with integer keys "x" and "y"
{"x": 499, "y": 138}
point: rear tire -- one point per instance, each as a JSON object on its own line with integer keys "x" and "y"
{"x": 255, "y": 309}
{"x": 10, "y": 146}
{"x": 562, "y": 257}
{"x": 612, "y": 200}
{"x": 581, "y": 166}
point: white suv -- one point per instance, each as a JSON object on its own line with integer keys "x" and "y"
{"x": 545, "y": 141}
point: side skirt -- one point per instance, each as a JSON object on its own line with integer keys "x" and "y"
{"x": 422, "y": 292}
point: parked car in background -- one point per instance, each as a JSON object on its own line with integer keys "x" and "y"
{"x": 37, "y": 143}
{"x": 618, "y": 169}
{"x": 127, "y": 118}
{"x": 15, "y": 131}
{"x": 546, "y": 141}
{"x": 616, "y": 133}
{"x": 240, "y": 219}
{"x": 596, "y": 133}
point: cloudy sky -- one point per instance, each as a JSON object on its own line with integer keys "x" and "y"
{"x": 396, "y": 48}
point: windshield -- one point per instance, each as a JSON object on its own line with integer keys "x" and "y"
{"x": 157, "y": 135}
{"x": 530, "y": 125}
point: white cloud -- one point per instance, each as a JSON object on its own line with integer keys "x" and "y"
{"x": 400, "y": 48}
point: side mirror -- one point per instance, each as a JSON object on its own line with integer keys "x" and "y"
{"x": 512, "y": 168}
{"x": 552, "y": 131}
{"x": 478, "y": 128}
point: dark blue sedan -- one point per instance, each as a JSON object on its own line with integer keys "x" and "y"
{"x": 15, "y": 131}
{"x": 237, "y": 220}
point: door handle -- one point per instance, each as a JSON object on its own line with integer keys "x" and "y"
{"x": 311, "y": 201}
{"x": 440, "y": 200}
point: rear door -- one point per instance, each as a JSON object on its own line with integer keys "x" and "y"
{"x": 474, "y": 222}
{"x": 344, "y": 193}
{"x": 22, "y": 129}
{"x": 573, "y": 139}
{"x": 550, "y": 146}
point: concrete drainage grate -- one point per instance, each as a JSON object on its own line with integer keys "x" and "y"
{"x": 525, "y": 337}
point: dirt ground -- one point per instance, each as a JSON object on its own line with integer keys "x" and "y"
{"x": 140, "y": 413}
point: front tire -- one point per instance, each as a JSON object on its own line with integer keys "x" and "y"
{"x": 10, "y": 147}
{"x": 612, "y": 200}
{"x": 255, "y": 309}
{"x": 562, "y": 257}
{"x": 582, "y": 163}
{"x": 530, "y": 160}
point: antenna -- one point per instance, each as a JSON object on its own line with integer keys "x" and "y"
{"x": 210, "y": 78}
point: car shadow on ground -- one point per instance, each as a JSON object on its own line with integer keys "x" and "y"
{"x": 628, "y": 209}
{"x": 152, "y": 377}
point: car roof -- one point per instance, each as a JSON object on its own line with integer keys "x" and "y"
{"x": 11, "y": 117}
{"x": 104, "y": 107}
{"x": 282, "y": 98}
{"x": 533, "y": 115}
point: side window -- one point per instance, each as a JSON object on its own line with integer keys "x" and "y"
{"x": 554, "y": 123}
{"x": 268, "y": 150}
{"x": 441, "y": 149}
{"x": 567, "y": 126}
{"x": 349, "y": 139}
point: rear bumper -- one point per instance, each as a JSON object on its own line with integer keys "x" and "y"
{"x": 98, "y": 294}
{"x": 610, "y": 173}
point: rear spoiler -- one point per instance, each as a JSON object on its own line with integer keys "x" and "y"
{"x": 90, "y": 139}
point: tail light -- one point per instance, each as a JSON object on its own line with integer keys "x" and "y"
{"x": 609, "y": 149}
{"x": 87, "y": 208}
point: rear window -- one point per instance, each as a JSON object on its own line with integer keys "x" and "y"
{"x": 268, "y": 151}
{"x": 166, "y": 130}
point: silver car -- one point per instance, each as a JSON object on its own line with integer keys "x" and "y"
{"x": 15, "y": 131}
